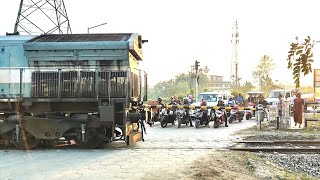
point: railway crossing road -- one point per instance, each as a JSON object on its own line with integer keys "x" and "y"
{"x": 164, "y": 150}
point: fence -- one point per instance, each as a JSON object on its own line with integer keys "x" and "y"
{"x": 311, "y": 110}
{"x": 282, "y": 118}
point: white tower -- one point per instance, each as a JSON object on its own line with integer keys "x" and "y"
{"x": 234, "y": 78}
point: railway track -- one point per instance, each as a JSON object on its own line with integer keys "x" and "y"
{"x": 306, "y": 146}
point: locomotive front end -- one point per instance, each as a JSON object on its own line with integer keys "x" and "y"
{"x": 74, "y": 87}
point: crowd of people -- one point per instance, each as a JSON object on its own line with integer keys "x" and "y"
{"x": 297, "y": 104}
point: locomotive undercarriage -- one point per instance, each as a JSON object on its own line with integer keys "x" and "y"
{"x": 27, "y": 125}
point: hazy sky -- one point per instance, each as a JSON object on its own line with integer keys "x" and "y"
{"x": 182, "y": 31}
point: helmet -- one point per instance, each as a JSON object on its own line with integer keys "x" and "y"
{"x": 159, "y": 99}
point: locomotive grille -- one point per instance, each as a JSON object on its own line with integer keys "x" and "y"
{"x": 79, "y": 84}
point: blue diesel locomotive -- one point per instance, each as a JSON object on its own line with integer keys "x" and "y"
{"x": 85, "y": 88}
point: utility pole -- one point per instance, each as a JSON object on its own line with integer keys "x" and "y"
{"x": 237, "y": 78}
{"x": 234, "y": 77}
{"x": 197, "y": 64}
{"x": 191, "y": 77}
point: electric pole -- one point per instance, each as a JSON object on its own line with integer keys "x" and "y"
{"x": 234, "y": 77}
{"x": 197, "y": 64}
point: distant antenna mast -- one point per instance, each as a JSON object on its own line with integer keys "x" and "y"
{"x": 234, "y": 60}
{"x": 42, "y": 17}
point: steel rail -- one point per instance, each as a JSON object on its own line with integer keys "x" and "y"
{"x": 276, "y": 149}
{"x": 307, "y": 142}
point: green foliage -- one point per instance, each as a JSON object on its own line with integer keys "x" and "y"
{"x": 236, "y": 92}
{"x": 246, "y": 87}
{"x": 262, "y": 72}
{"x": 300, "y": 59}
{"x": 181, "y": 85}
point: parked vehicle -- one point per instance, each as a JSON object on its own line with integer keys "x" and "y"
{"x": 182, "y": 117}
{"x": 156, "y": 116}
{"x": 220, "y": 117}
{"x": 169, "y": 116}
{"x": 201, "y": 118}
{"x": 236, "y": 115}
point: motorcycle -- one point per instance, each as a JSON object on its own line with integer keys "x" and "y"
{"x": 236, "y": 114}
{"x": 201, "y": 119}
{"x": 169, "y": 116}
{"x": 182, "y": 117}
{"x": 220, "y": 118}
{"x": 250, "y": 113}
{"x": 156, "y": 116}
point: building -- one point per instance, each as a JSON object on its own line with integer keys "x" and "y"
{"x": 217, "y": 83}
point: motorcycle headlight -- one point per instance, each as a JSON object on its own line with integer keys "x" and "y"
{"x": 170, "y": 112}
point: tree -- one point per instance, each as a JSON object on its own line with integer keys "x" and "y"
{"x": 262, "y": 72}
{"x": 246, "y": 87}
{"x": 300, "y": 58}
{"x": 181, "y": 85}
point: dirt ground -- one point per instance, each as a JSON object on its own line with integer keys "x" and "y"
{"x": 228, "y": 165}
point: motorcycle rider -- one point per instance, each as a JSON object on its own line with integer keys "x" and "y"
{"x": 176, "y": 100}
{"x": 187, "y": 103}
{"x": 231, "y": 102}
{"x": 172, "y": 101}
{"x": 205, "y": 112}
{"x": 160, "y": 101}
{"x": 221, "y": 103}
{"x": 239, "y": 99}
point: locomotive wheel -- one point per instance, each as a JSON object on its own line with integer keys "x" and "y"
{"x": 179, "y": 121}
{"x": 163, "y": 122}
{"x": 93, "y": 140}
{"x": 27, "y": 140}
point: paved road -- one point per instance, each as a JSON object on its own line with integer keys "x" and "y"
{"x": 164, "y": 149}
